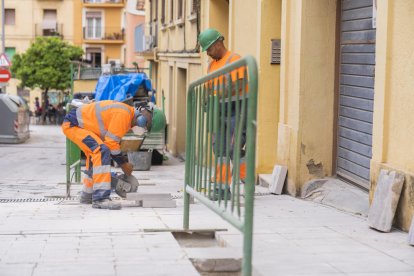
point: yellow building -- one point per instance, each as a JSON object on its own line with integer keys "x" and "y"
{"x": 171, "y": 47}
{"x": 27, "y": 19}
{"x": 338, "y": 104}
{"x": 99, "y": 28}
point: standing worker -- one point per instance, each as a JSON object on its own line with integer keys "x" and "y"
{"x": 97, "y": 128}
{"x": 211, "y": 41}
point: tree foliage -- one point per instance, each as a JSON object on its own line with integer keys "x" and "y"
{"x": 46, "y": 64}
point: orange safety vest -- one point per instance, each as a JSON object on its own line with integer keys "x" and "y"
{"x": 233, "y": 76}
{"x": 110, "y": 120}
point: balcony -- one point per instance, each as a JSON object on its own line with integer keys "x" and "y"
{"x": 41, "y": 30}
{"x": 104, "y": 3}
{"x": 99, "y": 35}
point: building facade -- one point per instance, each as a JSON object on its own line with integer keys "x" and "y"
{"x": 27, "y": 19}
{"x": 337, "y": 105}
{"x": 99, "y": 28}
{"x": 170, "y": 47}
{"x": 135, "y": 27}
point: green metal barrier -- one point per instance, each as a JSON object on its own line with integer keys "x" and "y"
{"x": 73, "y": 162}
{"x": 214, "y": 103}
{"x": 73, "y": 152}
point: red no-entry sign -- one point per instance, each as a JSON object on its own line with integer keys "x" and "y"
{"x": 4, "y": 75}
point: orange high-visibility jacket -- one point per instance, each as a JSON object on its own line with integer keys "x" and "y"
{"x": 236, "y": 74}
{"x": 110, "y": 120}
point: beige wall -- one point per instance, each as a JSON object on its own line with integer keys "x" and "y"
{"x": 393, "y": 146}
{"x": 269, "y": 85}
{"x": 64, "y": 15}
{"x": 177, "y": 65}
{"x": 29, "y": 17}
{"x": 305, "y": 140}
{"x": 84, "y": 85}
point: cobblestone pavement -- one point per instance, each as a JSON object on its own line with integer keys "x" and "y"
{"x": 62, "y": 237}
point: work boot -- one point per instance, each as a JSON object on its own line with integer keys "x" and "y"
{"x": 85, "y": 198}
{"x": 106, "y": 204}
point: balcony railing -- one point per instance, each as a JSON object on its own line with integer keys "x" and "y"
{"x": 56, "y": 31}
{"x": 89, "y": 73}
{"x": 100, "y": 33}
{"x": 103, "y": 1}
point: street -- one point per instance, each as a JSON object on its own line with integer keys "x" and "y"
{"x": 41, "y": 233}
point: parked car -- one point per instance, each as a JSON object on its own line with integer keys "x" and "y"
{"x": 14, "y": 119}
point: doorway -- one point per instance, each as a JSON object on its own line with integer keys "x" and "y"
{"x": 356, "y": 91}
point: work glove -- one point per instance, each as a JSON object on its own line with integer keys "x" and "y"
{"x": 127, "y": 168}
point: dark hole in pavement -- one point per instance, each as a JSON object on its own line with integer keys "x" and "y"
{"x": 196, "y": 239}
{"x": 204, "y": 239}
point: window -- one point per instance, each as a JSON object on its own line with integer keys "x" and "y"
{"x": 180, "y": 9}
{"x": 195, "y": 6}
{"x": 49, "y": 24}
{"x": 139, "y": 38}
{"x": 10, "y": 51}
{"x": 10, "y": 17}
{"x": 171, "y": 10}
{"x": 163, "y": 12}
{"x": 94, "y": 56}
{"x": 93, "y": 25}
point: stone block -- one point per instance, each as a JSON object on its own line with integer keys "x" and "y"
{"x": 149, "y": 203}
{"x": 278, "y": 179}
{"x": 411, "y": 233}
{"x": 148, "y": 196}
{"x": 385, "y": 201}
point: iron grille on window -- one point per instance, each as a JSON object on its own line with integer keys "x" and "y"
{"x": 163, "y": 12}
{"x": 196, "y": 4}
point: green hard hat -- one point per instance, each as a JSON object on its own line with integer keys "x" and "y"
{"x": 158, "y": 120}
{"x": 208, "y": 37}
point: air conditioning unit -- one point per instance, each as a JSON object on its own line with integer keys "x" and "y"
{"x": 114, "y": 62}
{"x": 149, "y": 42}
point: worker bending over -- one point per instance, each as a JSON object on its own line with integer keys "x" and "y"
{"x": 97, "y": 129}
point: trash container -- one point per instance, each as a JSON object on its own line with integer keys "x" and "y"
{"x": 15, "y": 119}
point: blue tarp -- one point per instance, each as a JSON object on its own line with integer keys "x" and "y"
{"x": 120, "y": 87}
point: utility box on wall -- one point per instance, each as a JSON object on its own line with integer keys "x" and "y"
{"x": 275, "y": 52}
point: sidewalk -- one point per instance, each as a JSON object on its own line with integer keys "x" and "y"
{"x": 57, "y": 237}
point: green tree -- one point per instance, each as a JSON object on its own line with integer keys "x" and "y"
{"x": 46, "y": 65}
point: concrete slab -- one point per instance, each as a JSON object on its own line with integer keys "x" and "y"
{"x": 338, "y": 194}
{"x": 278, "y": 179}
{"x": 148, "y": 196}
{"x": 159, "y": 203}
{"x": 385, "y": 201}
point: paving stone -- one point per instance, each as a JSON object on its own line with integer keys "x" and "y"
{"x": 148, "y": 196}
{"x": 385, "y": 201}
{"x": 411, "y": 233}
{"x": 169, "y": 203}
{"x": 17, "y": 269}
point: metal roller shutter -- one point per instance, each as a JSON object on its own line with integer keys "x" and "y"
{"x": 356, "y": 91}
